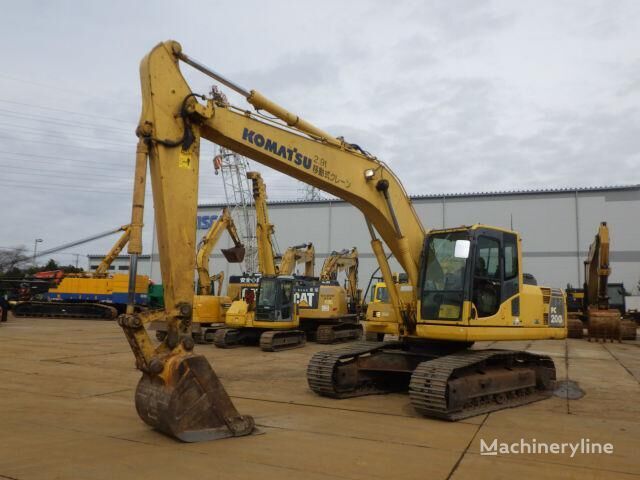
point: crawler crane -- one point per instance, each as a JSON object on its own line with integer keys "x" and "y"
{"x": 467, "y": 281}
{"x": 98, "y": 294}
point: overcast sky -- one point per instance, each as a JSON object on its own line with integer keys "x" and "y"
{"x": 456, "y": 96}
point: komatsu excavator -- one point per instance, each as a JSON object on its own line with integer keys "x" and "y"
{"x": 467, "y": 281}
{"x": 98, "y": 295}
{"x": 209, "y": 309}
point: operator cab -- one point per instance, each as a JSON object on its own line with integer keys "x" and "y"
{"x": 275, "y": 299}
{"x": 477, "y": 264}
{"x": 279, "y": 297}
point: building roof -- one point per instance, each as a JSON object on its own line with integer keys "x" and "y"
{"x": 547, "y": 191}
{"x": 119, "y": 257}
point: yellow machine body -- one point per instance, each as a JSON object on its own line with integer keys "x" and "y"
{"x": 240, "y": 315}
{"x": 110, "y": 289}
{"x": 332, "y": 304}
{"x": 210, "y": 308}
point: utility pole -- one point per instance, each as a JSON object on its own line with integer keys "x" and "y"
{"x": 35, "y": 248}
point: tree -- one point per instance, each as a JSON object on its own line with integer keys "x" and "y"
{"x": 11, "y": 257}
{"x": 51, "y": 265}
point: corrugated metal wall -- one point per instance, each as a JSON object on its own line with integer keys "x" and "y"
{"x": 556, "y": 226}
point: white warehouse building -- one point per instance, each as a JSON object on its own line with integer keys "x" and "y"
{"x": 556, "y": 227}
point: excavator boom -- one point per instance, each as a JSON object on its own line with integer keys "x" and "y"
{"x": 108, "y": 259}
{"x": 344, "y": 260}
{"x": 264, "y": 228}
{"x": 597, "y": 270}
{"x": 299, "y": 254}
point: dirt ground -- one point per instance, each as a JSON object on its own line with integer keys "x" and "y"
{"x": 67, "y": 412}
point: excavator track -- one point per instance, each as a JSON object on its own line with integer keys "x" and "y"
{"x": 325, "y": 377}
{"x": 339, "y": 332}
{"x": 471, "y": 383}
{"x": 65, "y": 310}
{"x": 277, "y": 340}
{"x": 227, "y": 337}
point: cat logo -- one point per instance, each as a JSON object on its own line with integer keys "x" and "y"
{"x": 304, "y": 299}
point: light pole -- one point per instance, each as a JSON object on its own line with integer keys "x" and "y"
{"x": 35, "y": 248}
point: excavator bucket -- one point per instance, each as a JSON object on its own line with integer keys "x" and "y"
{"x": 187, "y": 401}
{"x": 234, "y": 254}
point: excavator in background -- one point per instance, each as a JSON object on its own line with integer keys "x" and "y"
{"x": 98, "y": 295}
{"x": 249, "y": 321}
{"x": 380, "y": 317}
{"x": 290, "y": 309}
{"x": 467, "y": 282}
{"x": 209, "y": 309}
{"x": 337, "y": 315}
{"x": 592, "y": 304}
{"x": 293, "y": 256}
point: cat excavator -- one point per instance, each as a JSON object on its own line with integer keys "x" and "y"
{"x": 208, "y": 308}
{"x": 337, "y": 314}
{"x": 467, "y": 281}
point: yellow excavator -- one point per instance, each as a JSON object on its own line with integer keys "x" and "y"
{"x": 289, "y": 309}
{"x": 254, "y": 322}
{"x": 245, "y": 286}
{"x": 209, "y": 308}
{"x": 467, "y": 281}
{"x": 603, "y": 321}
{"x": 337, "y": 314}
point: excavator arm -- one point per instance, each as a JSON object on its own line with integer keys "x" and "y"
{"x": 344, "y": 260}
{"x": 597, "y": 270}
{"x": 179, "y": 393}
{"x": 264, "y": 228}
{"x": 299, "y": 254}
{"x": 208, "y": 242}
{"x": 108, "y": 259}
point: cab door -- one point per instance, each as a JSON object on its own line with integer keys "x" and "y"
{"x": 495, "y": 278}
{"x": 286, "y": 300}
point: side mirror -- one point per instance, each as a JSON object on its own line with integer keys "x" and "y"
{"x": 461, "y": 249}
